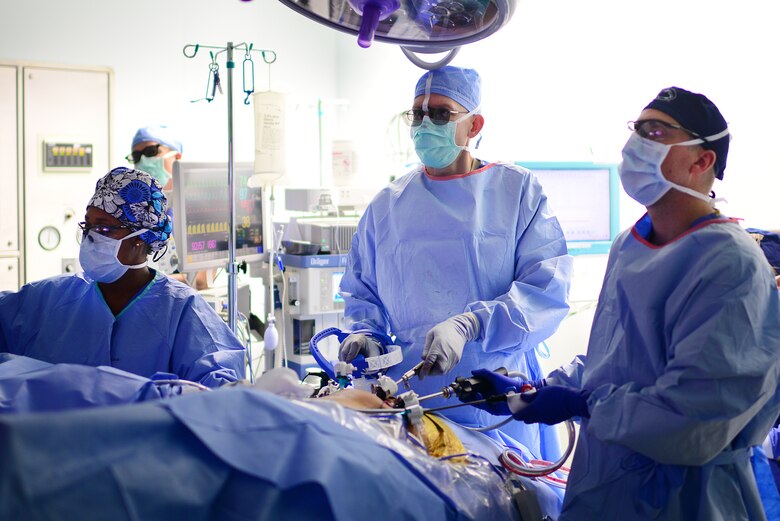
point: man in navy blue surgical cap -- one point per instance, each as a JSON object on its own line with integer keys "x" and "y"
{"x": 120, "y": 312}
{"x": 680, "y": 381}
{"x": 462, "y": 260}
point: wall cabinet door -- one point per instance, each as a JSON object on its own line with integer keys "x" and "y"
{"x": 9, "y": 273}
{"x": 66, "y": 132}
{"x": 9, "y": 174}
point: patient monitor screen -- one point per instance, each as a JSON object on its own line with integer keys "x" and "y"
{"x": 580, "y": 199}
{"x": 202, "y": 208}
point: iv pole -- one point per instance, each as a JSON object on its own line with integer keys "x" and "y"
{"x": 232, "y": 266}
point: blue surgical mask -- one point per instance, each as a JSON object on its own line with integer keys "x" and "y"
{"x": 640, "y": 170}
{"x": 98, "y": 257}
{"x": 435, "y": 144}
{"x": 155, "y": 166}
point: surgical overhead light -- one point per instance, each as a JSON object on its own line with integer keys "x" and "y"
{"x": 417, "y": 26}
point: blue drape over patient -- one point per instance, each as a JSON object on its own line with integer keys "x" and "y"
{"x": 232, "y": 454}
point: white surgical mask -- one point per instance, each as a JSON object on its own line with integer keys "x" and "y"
{"x": 640, "y": 170}
{"x": 155, "y": 167}
{"x": 98, "y": 257}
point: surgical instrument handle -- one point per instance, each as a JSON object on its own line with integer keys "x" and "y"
{"x": 469, "y": 387}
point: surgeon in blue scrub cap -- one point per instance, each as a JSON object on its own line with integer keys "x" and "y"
{"x": 680, "y": 380}
{"x": 120, "y": 312}
{"x": 154, "y": 149}
{"x": 461, "y": 259}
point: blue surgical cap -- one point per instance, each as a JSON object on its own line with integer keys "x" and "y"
{"x": 461, "y": 85}
{"x": 159, "y": 134}
{"x": 698, "y": 114}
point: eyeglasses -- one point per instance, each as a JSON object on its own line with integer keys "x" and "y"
{"x": 438, "y": 116}
{"x": 150, "y": 151}
{"x": 657, "y": 130}
{"x": 103, "y": 229}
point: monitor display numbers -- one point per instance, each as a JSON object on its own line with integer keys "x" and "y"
{"x": 201, "y": 192}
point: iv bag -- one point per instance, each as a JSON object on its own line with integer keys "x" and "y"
{"x": 270, "y": 128}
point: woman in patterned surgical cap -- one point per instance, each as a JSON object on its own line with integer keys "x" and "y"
{"x": 127, "y": 204}
{"x": 120, "y": 312}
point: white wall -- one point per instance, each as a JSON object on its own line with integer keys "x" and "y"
{"x": 563, "y": 77}
{"x": 561, "y": 80}
{"x": 142, "y": 41}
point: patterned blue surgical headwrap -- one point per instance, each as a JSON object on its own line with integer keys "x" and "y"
{"x": 136, "y": 199}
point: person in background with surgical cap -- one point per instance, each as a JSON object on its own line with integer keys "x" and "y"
{"x": 462, "y": 260}
{"x": 119, "y": 312}
{"x": 154, "y": 150}
{"x": 680, "y": 381}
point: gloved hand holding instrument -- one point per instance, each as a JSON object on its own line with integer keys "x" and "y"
{"x": 445, "y": 341}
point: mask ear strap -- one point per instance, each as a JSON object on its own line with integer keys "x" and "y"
{"x": 468, "y": 114}
{"x": 135, "y": 234}
{"x": 700, "y": 141}
{"x": 478, "y": 137}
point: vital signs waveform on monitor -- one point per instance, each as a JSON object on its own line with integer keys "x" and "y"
{"x": 202, "y": 214}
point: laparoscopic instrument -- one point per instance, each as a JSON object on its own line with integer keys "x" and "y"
{"x": 368, "y": 374}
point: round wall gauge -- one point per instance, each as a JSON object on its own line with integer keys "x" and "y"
{"x": 49, "y": 238}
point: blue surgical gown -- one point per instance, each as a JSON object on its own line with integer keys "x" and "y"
{"x": 428, "y": 248}
{"x": 167, "y": 327}
{"x": 683, "y": 365}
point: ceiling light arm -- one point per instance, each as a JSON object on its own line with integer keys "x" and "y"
{"x": 415, "y": 59}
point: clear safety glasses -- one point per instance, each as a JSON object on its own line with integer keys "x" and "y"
{"x": 102, "y": 229}
{"x": 657, "y": 130}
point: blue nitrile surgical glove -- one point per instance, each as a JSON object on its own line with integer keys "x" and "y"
{"x": 499, "y": 384}
{"x": 359, "y": 344}
{"x": 444, "y": 343}
{"x": 551, "y": 404}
